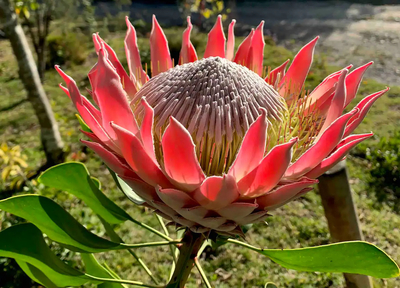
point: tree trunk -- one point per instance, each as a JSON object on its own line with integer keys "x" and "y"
{"x": 28, "y": 73}
{"x": 41, "y": 60}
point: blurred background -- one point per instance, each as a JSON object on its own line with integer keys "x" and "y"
{"x": 38, "y": 128}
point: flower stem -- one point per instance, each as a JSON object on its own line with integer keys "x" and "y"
{"x": 144, "y": 266}
{"x": 202, "y": 273}
{"x": 110, "y": 280}
{"x": 171, "y": 247}
{"x": 151, "y": 229}
{"x": 116, "y": 238}
{"x": 191, "y": 243}
{"x": 150, "y": 244}
{"x": 237, "y": 242}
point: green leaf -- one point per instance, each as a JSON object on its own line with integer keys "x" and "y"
{"x": 356, "y": 257}
{"x": 84, "y": 126}
{"x": 56, "y": 223}
{"x": 34, "y": 5}
{"x": 35, "y": 274}
{"x": 110, "y": 231}
{"x": 94, "y": 268}
{"x": 25, "y": 243}
{"x": 270, "y": 285}
{"x": 127, "y": 190}
{"x": 348, "y": 257}
{"x": 74, "y": 178}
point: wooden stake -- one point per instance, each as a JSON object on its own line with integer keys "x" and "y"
{"x": 341, "y": 214}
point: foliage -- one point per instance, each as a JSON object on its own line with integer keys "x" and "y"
{"x": 207, "y": 10}
{"x": 332, "y": 258}
{"x": 40, "y": 263}
{"x": 13, "y": 166}
{"x": 26, "y": 244}
{"x": 38, "y": 16}
{"x": 66, "y": 48}
{"x": 89, "y": 16}
{"x": 384, "y": 169}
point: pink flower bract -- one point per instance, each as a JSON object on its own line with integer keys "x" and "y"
{"x": 210, "y": 144}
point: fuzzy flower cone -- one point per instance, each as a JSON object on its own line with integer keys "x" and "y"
{"x": 210, "y": 144}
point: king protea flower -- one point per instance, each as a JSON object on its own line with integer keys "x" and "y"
{"x": 210, "y": 144}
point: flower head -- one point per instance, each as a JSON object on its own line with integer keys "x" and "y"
{"x": 211, "y": 144}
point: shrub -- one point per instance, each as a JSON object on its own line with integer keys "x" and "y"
{"x": 14, "y": 168}
{"x": 383, "y": 170}
{"x": 66, "y": 48}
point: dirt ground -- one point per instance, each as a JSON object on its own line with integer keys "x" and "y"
{"x": 350, "y": 33}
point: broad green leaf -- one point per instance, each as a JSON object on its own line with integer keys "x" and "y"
{"x": 56, "y": 223}
{"x": 25, "y": 243}
{"x": 270, "y": 285}
{"x": 35, "y": 274}
{"x": 348, "y": 257}
{"x": 74, "y": 178}
{"x": 357, "y": 257}
{"x": 93, "y": 267}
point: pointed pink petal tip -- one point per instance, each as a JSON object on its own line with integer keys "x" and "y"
{"x": 261, "y": 24}
{"x": 188, "y": 52}
{"x": 338, "y": 155}
{"x": 97, "y": 42}
{"x": 146, "y": 129}
{"x": 267, "y": 174}
{"x": 159, "y": 50}
{"x": 138, "y": 159}
{"x": 292, "y": 83}
{"x": 322, "y": 148}
{"x": 180, "y": 161}
{"x": 230, "y": 44}
{"x": 353, "y": 81}
{"x": 272, "y": 78}
{"x": 216, "y": 41}
{"x": 252, "y": 148}
{"x": 110, "y": 159}
{"x": 144, "y": 102}
{"x": 283, "y": 194}
{"x": 363, "y": 108}
{"x": 256, "y": 53}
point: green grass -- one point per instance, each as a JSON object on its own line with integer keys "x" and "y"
{"x": 298, "y": 224}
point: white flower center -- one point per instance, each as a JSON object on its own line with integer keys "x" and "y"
{"x": 216, "y": 100}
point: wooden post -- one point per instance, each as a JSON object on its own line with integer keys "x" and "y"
{"x": 341, "y": 214}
